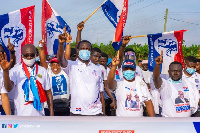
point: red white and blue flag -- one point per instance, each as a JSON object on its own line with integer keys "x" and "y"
{"x": 52, "y": 26}
{"x": 19, "y": 27}
{"x": 171, "y": 45}
{"x": 116, "y": 11}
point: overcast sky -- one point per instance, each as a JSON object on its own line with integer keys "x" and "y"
{"x": 144, "y": 17}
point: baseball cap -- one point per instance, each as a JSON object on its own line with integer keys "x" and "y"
{"x": 129, "y": 63}
{"x": 54, "y": 60}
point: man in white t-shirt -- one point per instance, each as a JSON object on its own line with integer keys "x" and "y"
{"x": 197, "y": 114}
{"x": 131, "y": 91}
{"x": 30, "y": 83}
{"x": 86, "y": 83}
{"x": 171, "y": 89}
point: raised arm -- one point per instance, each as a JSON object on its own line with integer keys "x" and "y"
{"x": 68, "y": 48}
{"x": 111, "y": 76}
{"x": 60, "y": 54}
{"x": 125, "y": 41}
{"x": 80, "y": 27}
{"x": 5, "y": 65}
{"x": 156, "y": 72}
{"x": 11, "y": 48}
{"x": 42, "y": 54}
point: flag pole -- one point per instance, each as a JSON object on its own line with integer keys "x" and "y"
{"x": 94, "y": 11}
{"x": 138, "y": 36}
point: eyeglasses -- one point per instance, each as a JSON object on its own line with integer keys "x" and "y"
{"x": 27, "y": 55}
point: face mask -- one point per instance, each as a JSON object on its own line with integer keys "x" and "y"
{"x": 190, "y": 70}
{"x": 37, "y": 59}
{"x": 29, "y": 62}
{"x": 179, "y": 81}
{"x": 84, "y": 54}
{"x": 129, "y": 74}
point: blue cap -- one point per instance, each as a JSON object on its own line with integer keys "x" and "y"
{"x": 109, "y": 61}
{"x": 129, "y": 63}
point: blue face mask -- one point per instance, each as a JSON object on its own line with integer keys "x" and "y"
{"x": 84, "y": 54}
{"x": 129, "y": 74}
{"x": 179, "y": 81}
{"x": 190, "y": 70}
{"x": 37, "y": 59}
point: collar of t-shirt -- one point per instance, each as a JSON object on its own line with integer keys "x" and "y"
{"x": 185, "y": 76}
{"x": 81, "y": 63}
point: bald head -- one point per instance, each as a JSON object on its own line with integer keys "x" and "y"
{"x": 28, "y": 51}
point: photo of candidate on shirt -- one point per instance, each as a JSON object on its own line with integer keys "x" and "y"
{"x": 180, "y": 98}
{"x": 129, "y": 103}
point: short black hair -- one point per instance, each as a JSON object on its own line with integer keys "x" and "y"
{"x": 95, "y": 49}
{"x": 82, "y": 42}
{"x": 191, "y": 59}
{"x": 104, "y": 55}
{"x": 175, "y": 62}
{"x": 139, "y": 61}
{"x": 73, "y": 51}
{"x": 128, "y": 49}
{"x": 197, "y": 60}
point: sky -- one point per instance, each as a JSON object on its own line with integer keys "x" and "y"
{"x": 144, "y": 17}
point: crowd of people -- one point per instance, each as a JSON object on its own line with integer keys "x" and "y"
{"x": 84, "y": 81}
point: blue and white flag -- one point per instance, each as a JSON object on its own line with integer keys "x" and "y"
{"x": 116, "y": 11}
{"x": 171, "y": 45}
{"x": 19, "y": 27}
{"x": 52, "y": 26}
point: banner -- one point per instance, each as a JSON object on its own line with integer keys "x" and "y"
{"x": 52, "y": 26}
{"x": 116, "y": 11}
{"x": 19, "y": 27}
{"x": 171, "y": 45}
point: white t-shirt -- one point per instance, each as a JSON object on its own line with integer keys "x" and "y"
{"x": 138, "y": 72}
{"x": 86, "y": 83}
{"x": 175, "y": 104}
{"x": 17, "y": 75}
{"x": 59, "y": 84}
{"x": 130, "y": 97}
{"x": 147, "y": 76}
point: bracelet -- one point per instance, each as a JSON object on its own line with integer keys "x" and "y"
{"x": 67, "y": 43}
{"x": 12, "y": 52}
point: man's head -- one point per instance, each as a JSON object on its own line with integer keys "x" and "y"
{"x": 128, "y": 96}
{"x": 73, "y": 54}
{"x": 175, "y": 71}
{"x": 95, "y": 55}
{"x": 198, "y": 65}
{"x": 55, "y": 66}
{"x": 140, "y": 63}
{"x": 84, "y": 50}
{"x": 190, "y": 64}
{"x": 29, "y": 54}
{"x": 129, "y": 53}
{"x": 145, "y": 65}
{"x": 128, "y": 68}
{"x": 104, "y": 59}
{"x": 181, "y": 94}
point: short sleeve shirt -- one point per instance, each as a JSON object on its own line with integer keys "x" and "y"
{"x": 86, "y": 83}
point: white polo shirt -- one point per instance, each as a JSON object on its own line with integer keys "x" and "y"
{"x": 86, "y": 83}
{"x": 17, "y": 75}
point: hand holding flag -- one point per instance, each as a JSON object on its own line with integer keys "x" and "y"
{"x": 126, "y": 40}
{"x": 80, "y": 26}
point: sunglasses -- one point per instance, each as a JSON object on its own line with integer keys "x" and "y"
{"x": 27, "y": 55}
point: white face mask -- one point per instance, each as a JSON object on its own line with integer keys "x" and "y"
{"x": 29, "y": 62}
